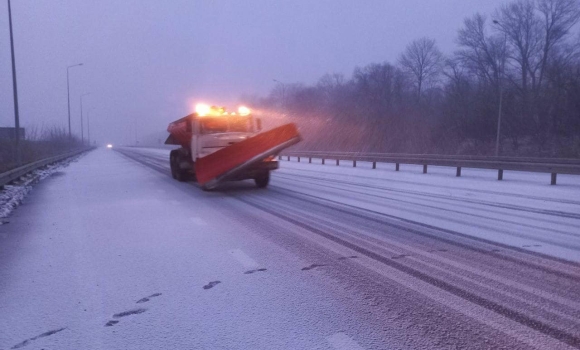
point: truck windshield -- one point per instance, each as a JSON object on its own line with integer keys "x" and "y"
{"x": 225, "y": 124}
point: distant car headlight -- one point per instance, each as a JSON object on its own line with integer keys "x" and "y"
{"x": 109, "y": 146}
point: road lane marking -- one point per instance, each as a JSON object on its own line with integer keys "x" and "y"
{"x": 341, "y": 341}
{"x": 243, "y": 259}
{"x": 198, "y": 221}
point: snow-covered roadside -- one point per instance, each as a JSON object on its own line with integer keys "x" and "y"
{"x": 12, "y": 195}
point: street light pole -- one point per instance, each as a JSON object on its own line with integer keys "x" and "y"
{"x": 283, "y": 93}
{"x": 82, "y": 126}
{"x": 68, "y": 97}
{"x": 89, "y": 125}
{"x": 498, "y": 120}
{"x": 500, "y": 90}
{"x": 14, "y": 89}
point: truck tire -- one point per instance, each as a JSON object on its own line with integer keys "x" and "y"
{"x": 172, "y": 164}
{"x": 262, "y": 180}
{"x": 177, "y": 173}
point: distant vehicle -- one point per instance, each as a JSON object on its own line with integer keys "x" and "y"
{"x": 218, "y": 146}
{"x": 109, "y": 146}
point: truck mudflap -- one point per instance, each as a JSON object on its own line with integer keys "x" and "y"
{"x": 229, "y": 162}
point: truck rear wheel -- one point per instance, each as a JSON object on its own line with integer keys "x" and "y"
{"x": 262, "y": 180}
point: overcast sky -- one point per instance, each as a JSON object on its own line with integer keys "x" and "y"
{"x": 146, "y": 62}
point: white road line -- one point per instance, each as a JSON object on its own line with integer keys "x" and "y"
{"x": 243, "y": 259}
{"x": 198, "y": 221}
{"x": 341, "y": 341}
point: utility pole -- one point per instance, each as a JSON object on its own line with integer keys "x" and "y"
{"x": 68, "y": 97}
{"x": 14, "y": 89}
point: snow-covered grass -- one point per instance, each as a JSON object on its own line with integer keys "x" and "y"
{"x": 12, "y": 195}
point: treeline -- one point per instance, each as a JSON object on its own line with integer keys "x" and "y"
{"x": 522, "y": 61}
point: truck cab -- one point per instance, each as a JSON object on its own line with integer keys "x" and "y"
{"x": 213, "y": 132}
{"x": 209, "y": 130}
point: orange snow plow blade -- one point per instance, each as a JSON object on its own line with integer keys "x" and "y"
{"x": 232, "y": 160}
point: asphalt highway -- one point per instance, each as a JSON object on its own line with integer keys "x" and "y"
{"x": 114, "y": 253}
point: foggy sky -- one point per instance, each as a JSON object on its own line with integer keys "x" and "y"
{"x": 146, "y": 62}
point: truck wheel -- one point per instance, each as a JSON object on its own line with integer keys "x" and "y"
{"x": 262, "y": 180}
{"x": 180, "y": 174}
{"x": 177, "y": 173}
{"x": 172, "y": 164}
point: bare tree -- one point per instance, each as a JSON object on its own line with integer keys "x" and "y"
{"x": 483, "y": 55}
{"x": 422, "y": 60}
{"x": 559, "y": 16}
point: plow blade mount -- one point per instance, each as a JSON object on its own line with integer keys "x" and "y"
{"x": 233, "y": 160}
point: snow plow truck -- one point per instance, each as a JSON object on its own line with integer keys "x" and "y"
{"x": 218, "y": 146}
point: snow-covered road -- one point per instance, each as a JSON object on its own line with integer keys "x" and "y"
{"x": 111, "y": 253}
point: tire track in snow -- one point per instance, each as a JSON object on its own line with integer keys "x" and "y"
{"x": 557, "y": 333}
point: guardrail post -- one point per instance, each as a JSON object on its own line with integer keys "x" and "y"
{"x": 279, "y": 157}
{"x": 288, "y": 158}
{"x": 424, "y": 168}
{"x": 500, "y": 174}
{"x": 374, "y": 165}
{"x": 397, "y": 167}
{"x": 337, "y": 162}
{"x": 458, "y": 173}
{"x": 354, "y": 163}
{"x": 309, "y": 159}
{"x": 322, "y": 161}
{"x": 553, "y": 182}
{"x": 298, "y": 159}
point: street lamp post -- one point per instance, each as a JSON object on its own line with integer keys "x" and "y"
{"x": 500, "y": 90}
{"x": 14, "y": 89}
{"x": 68, "y": 97}
{"x": 82, "y": 126}
{"x": 283, "y": 93}
{"x": 89, "y": 125}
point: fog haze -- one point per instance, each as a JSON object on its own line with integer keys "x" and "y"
{"x": 147, "y": 62}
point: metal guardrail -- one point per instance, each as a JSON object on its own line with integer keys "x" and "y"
{"x": 553, "y": 166}
{"x": 11, "y": 175}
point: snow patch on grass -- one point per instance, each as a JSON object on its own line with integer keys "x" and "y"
{"x": 12, "y": 195}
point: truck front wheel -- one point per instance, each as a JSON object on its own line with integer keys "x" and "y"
{"x": 177, "y": 172}
{"x": 262, "y": 180}
{"x": 172, "y": 164}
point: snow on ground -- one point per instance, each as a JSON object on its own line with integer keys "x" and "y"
{"x": 113, "y": 255}
{"x": 523, "y": 210}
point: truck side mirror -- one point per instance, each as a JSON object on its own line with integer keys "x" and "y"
{"x": 259, "y": 124}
